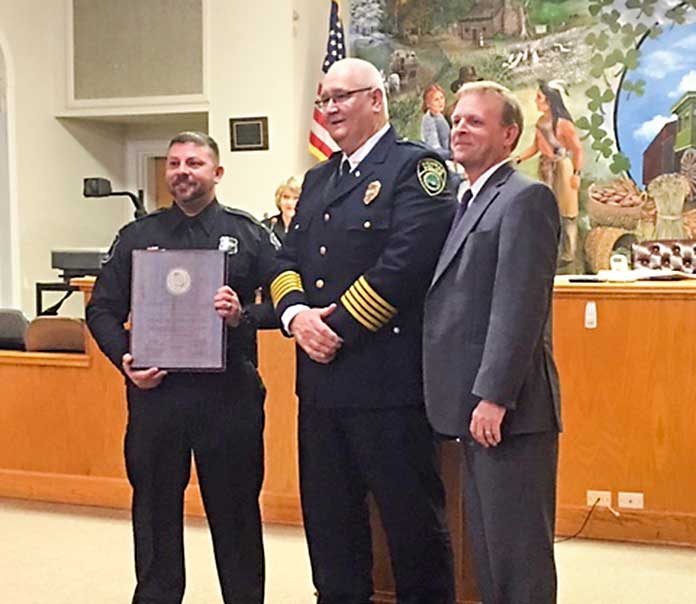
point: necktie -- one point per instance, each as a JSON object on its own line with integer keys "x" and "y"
{"x": 463, "y": 204}
{"x": 344, "y": 170}
{"x": 192, "y": 234}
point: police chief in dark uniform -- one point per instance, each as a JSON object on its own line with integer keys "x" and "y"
{"x": 217, "y": 416}
{"x": 350, "y": 284}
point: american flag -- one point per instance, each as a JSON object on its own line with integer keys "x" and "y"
{"x": 321, "y": 145}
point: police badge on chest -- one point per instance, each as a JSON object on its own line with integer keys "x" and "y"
{"x": 228, "y": 244}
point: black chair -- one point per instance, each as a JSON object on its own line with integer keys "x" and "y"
{"x": 13, "y": 327}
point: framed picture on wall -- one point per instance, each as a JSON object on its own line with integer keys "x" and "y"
{"x": 248, "y": 133}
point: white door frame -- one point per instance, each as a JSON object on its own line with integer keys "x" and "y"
{"x": 139, "y": 174}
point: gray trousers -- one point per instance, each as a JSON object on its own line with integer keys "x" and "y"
{"x": 510, "y": 500}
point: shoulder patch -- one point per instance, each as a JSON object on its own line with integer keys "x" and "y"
{"x": 275, "y": 242}
{"x": 272, "y": 237}
{"x": 432, "y": 176}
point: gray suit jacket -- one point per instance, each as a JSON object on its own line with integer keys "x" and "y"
{"x": 487, "y": 329}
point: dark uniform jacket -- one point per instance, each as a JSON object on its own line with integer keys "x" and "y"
{"x": 251, "y": 257}
{"x": 369, "y": 242}
{"x": 275, "y": 223}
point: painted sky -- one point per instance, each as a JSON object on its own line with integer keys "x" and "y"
{"x": 668, "y": 66}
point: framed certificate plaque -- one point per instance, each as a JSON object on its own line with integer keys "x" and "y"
{"x": 174, "y": 325}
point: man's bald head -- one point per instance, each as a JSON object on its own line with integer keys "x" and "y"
{"x": 361, "y": 71}
{"x": 354, "y": 103}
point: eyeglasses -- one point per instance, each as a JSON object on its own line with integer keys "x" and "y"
{"x": 338, "y": 98}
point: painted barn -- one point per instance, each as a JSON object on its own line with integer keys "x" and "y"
{"x": 488, "y": 18}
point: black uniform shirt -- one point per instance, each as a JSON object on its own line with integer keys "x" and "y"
{"x": 251, "y": 248}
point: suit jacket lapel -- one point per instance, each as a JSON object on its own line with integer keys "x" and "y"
{"x": 468, "y": 222}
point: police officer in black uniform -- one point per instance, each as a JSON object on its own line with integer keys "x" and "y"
{"x": 350, "y": 285}
{"x": 217, "y": 416}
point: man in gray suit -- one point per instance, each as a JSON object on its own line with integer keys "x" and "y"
{"x": 490, "y": 378}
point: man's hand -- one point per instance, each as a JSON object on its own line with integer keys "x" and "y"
{"x": 486, "y": 420}
{"x": 145, "y": 379}
{"x": 227, "y": 305}
{"x": 314, "y": 336}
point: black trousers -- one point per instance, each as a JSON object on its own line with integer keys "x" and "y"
{"x": 346, "y": 453}
{"x": 219, "y": 418}
{"x": 510, "y": 499}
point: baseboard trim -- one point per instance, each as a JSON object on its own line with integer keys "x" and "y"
{"x": 638, "y": 526}
{"x": 65, "y": 488}
{"x": 279, "y": 508}
{"x": 111, "y": 492}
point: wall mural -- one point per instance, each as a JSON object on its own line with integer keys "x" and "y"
{"x": 608, "y": 89}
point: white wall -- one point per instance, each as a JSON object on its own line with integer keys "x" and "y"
{"x": 50, "y": 157}
{"x": 6, "y": 257}
{"x": 264, "y": 63}
{"x": 260, "y": 62}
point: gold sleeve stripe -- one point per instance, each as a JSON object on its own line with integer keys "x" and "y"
{"x": 367, "y": 291}
{"x": 285, "y": 283}
{"x": 376, "y": 318}
{"x": 379, "y": 316}
{"x": 367, "y": 306}
{"x": 287, "y": 278}
{"x": 361, "y": 314}
{"x": 281, "y": 293}
{"x": 358, "y": 313}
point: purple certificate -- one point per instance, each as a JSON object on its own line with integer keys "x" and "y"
{"x": 174, "y": 325}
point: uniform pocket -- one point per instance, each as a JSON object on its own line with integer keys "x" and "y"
{"x": 367, "y": 235}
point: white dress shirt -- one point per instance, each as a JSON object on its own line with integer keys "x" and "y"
{"x": 479, "y": 182}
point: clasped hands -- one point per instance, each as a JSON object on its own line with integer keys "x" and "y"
{"x": 314, "y": 336}
{"x": 227, "y": 305}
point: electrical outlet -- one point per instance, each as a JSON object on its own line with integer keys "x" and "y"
{"x": 603, "y": 496}
{"x": 631, "y": 500}
{"x": 591, "y": 315}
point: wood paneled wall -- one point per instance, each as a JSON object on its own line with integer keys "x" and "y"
{"x": 63, "y": 420}
{"x": 629, "y": 407}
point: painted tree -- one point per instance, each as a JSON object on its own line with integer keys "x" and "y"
{"x": 393, "y": 11}
{"x": 366, "y": 16}
{"x": 523, "y": 13}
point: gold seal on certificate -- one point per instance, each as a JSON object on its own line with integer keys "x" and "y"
{"x": 174, "y": 325}
{"x": 178, "y": 281}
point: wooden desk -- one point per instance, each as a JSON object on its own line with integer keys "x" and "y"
{"x": 64, "y": 417}
{"x": 628, "y": 390}
{"x": 629, "y": 405}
